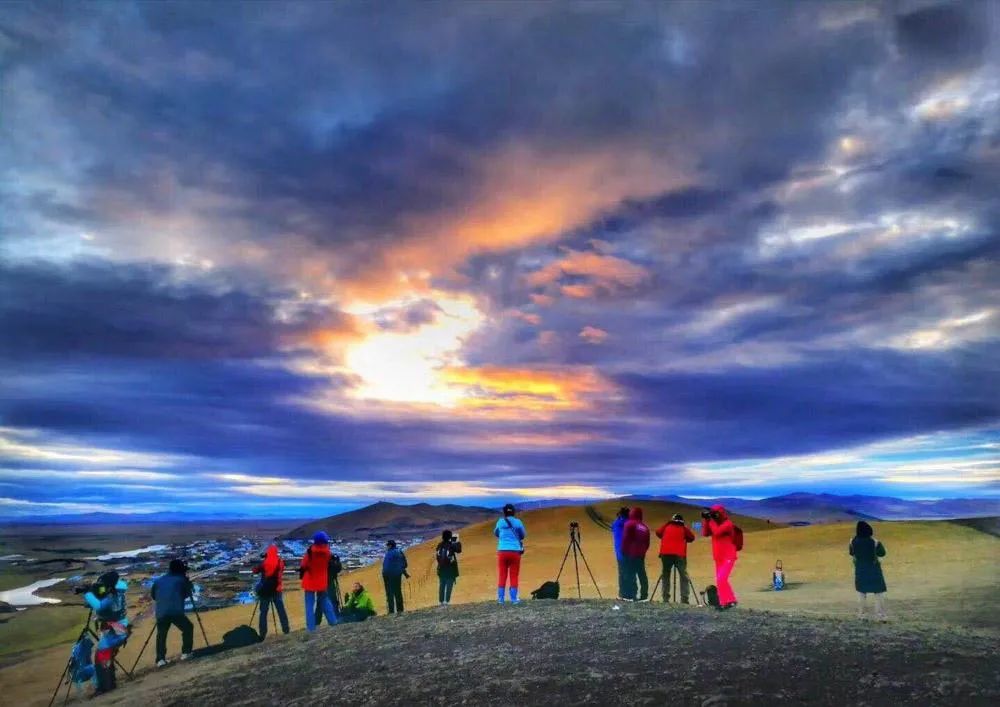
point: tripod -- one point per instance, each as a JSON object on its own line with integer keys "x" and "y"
{"x": 142, "y": 650}
{"x": 274, "y": 615}
{"x": 675, "y": 575}
{"x": 83, "y": 632}
{"x": 574, "y": 545}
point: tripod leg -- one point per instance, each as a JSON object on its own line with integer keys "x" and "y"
{"x": 576, "y": 563}
{"x": 254, "y": 612}
{"x": 590, "y": 572}
{"x": 200, "y": 624}
{"x": 86, "y": 629}
{"x": 656, "y": 586}
{"x": 564, "y": 559}
{"x": 143, "y": 649}
{"x": 274, "y": 617}
{"x": 675, "y": 572}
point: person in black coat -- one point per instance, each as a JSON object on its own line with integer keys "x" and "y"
{"x": 868, "y": 578}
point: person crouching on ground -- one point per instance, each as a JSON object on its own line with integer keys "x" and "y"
{"x": 358, "y": 605}
{"x": 393, "y": 570}
{"x": 313, "y": 572}
{"x": 868, "y": 577}
{"x": 717, "y": 526}
{"x": 447, "y": 565}
{"x": 510, "y": 534}
{"x": 270, "y": 588}
{"x": 674, "y": 538}
{"x": 617, "y": 529}
{"x": 171, "y": 592}
{"x": 635, "y": 544}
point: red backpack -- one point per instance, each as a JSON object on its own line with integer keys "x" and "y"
{"x": 738, "y": 537}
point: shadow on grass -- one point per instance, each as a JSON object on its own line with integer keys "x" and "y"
{"x": 789, "y": 586}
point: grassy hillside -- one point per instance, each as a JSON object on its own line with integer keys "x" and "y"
{"x": 570, "y": 652}
{"x": 389, "y": 520}
{"x": 939, "y": 574}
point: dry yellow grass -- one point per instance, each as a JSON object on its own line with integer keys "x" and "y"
{"x": 937, "y": 573}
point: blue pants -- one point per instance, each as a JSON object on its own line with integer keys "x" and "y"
{"x": 322, "y": 601}
{"x": 265, "y": 605}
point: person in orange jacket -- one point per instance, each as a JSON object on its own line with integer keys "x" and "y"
{"x": 674, "y": 538}
{"x": 269, "y": 589}
{"x": 313, "y": 572}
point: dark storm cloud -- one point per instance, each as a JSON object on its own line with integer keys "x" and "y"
{"x": 822, "y": 404}
{"x": 307, "y": 144}
{"x": 144, "y": 311}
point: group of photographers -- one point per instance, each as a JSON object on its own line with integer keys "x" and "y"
{"x": 631, "y": 537}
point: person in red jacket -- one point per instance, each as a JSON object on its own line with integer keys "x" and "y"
{"x": 635, "y": 543}
{"x": 717, "y": 526}
{"x": 313, "y": 571}
{"x": 269, "y": 589}
{"x": 674, "y": 538}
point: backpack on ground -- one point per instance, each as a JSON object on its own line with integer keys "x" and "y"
{"x": 712, "y": 596}
{"x": 548, "y": 590}
{"x": 444, "y": 557}
{"x": 738, "y": 538}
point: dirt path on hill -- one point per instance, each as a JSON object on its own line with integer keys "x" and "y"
{"x": 587, "y": 652}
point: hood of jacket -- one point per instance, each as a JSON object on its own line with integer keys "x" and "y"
{"x": 721, "y": 510}
{"x": 635, "y": 514}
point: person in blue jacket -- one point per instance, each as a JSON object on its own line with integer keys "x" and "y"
{"x": 170, "y": 592}
{"x": 510, "y": 534}
{"x": 393, "y": 571}
{"x": 617, "y": 529}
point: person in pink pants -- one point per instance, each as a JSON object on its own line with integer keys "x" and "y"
{"x": 717, "y": 526}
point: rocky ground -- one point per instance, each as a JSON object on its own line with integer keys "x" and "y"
{"x": 570, "y": 652}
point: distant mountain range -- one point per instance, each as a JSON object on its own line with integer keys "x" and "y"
{"x": 832, "y": 508}
{"x": 385, "y": 520}
{"x": 391, "y": 520}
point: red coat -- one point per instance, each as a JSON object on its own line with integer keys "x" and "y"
{"x": 722, "y": 533}
{"x": 314, "y": 563}
{"x": 272, "y": 565}
{"x": 635, "y": 537}
{"x": 674, "y": 538}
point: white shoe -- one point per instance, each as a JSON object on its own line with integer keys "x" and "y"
{"x": 162, "y": 663}
{"x": 187, "y": 656}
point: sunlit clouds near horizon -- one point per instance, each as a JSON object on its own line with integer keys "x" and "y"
{"x": 278, "y": 258}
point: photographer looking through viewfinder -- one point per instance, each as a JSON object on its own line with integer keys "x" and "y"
{"x": 447, "y": 565}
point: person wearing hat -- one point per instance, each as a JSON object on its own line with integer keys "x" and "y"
{"x": 674, "y": 538}
{"x": 510, "y": 534}
{"x": 393, "y": 571}
{"x": 313, "y": 572}
{"x": 171, "y": 592}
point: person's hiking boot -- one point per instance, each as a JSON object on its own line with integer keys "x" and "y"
{"x": 187, "y": 656}
{"x": 500, "y": 592}
{"x": 513, "y": 596}
{"x": 162, "y": 663}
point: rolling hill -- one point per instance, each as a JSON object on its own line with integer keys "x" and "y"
{"x": 942, "y": 579}
{"x": 390, "y": 520}
{"x": 594, "y": 652}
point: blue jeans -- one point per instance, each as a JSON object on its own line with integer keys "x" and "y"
{"x": 265, "y": 605}
{"x": 322, "y": 601}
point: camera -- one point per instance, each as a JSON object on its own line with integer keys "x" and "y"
{"x": 574, "y": 524}
{"x": 706, "y": 514}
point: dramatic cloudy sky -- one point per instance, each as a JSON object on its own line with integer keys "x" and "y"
{"x": 283, "y": 258}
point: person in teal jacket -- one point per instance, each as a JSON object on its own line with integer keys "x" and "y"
{"x": 510, "y": 534}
